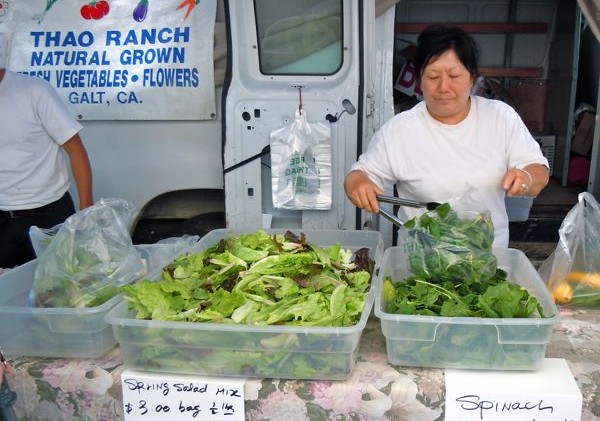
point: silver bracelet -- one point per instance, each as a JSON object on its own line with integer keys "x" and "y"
{"x": 528, "y": 175}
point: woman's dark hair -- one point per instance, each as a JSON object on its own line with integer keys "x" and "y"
{"x": 437, "y": 39}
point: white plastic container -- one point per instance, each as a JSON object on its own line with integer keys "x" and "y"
{"x": 292, "y": 352}
{"x": 518, "y": 207}
{"x": 468, "y": 342}
{"x": 49, "y": 332}
{"x": 59, "y": 332}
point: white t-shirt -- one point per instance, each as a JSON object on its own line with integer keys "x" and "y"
{"x": 35, "y": 123}
{"x": 435, "y": 162}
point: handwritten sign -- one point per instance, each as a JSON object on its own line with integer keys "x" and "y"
{"x": 549, "y": 394}
{"x": 172, "y": 397}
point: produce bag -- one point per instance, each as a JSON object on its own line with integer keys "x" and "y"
{"x": 41, "y": 237}
{"x": 90, "y": 256}
{"x": 447, "y": 245}
{"x": 155, "y": 255}
{"x": 453, "y": 272}
{"x": 572, "y": 271}
{"x": 301, "y": 165}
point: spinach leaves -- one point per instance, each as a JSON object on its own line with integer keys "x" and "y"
{"x": 454, "y": 272}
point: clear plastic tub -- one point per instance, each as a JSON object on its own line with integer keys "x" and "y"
{"x": 59, "y": 332}
{"x": 291, "y": 352}
{"x": 49, "y": 332}
{"x": 468, "y": 342}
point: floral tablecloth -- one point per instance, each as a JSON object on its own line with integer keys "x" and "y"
{"x": 78, "y": 389}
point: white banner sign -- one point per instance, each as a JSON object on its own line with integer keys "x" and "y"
{"x": 120, "y": 59}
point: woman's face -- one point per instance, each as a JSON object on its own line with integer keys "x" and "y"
{"x": 446, "y": 84}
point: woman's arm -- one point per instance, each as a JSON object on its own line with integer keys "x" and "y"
{"x": 361, "y": 191}
{"x": 528, "y": 181}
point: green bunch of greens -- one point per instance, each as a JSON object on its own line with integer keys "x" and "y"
{"x": 490, "y": 297}
{"x": 445, "y": 247}
{"x": 454, "y": 272}
{"x": 70, "y": 293}
{"x": 476, "y": 347}
{"x": 73, "y": 277}
{"x": 263, "y": 363}
{"x": 259, "y": 279}
{"x": 296, "y": 353}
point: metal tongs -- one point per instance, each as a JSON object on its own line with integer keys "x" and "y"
{"x": 402, "y": 202}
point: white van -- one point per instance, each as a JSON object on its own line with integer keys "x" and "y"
{"x": 334, "y": 56}
{"x": 337, "y": 59}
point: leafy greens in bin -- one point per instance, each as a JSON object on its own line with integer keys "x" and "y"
{"x": 453, "y": 271}
{"x": 445, "y": 247}
{"x": 291, "y": 354}
{"x": 254, "y": 363}
{"x": 457, "y": 345}
{"x": 88, "y": 258}
{"x": 259, "y": 279}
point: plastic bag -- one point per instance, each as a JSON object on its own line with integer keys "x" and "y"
{"x": 572, "y": 271}
{"x": 90, "y": 256}
{"x": 41, "y": 237}
{"x": 446, "y": 245}
{"x": 301, "y": 165}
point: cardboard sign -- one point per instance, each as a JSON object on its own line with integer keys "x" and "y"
{"x": 549, "y": 393}
{"x": 173, "y": 397}
{"x": 407, "y": 81}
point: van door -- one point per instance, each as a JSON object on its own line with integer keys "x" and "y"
{"x": 283, "y": 54}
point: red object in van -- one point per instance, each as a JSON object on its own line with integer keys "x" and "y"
{"x": 579, "y": 170}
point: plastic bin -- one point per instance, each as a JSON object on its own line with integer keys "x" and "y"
{"x": 291, "y": 352}
{"x": 518, "y": 207}
{"x": 59, "y": 332}
{"x": 49, "y": 332}
{"x": 468, "y": 342}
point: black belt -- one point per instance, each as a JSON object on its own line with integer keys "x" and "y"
{"x": 27, "y": 213}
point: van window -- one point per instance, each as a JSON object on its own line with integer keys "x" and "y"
{"x": 300, "y": 37}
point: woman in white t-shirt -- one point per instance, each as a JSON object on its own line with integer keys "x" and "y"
{"x": 451, "y": 142}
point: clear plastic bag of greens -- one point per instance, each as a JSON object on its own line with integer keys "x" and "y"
{"x": 41, "y": 237}
{"x": 88, "y": 258}
{"x": 572, "y": 271}
{"x": 447, "y": 245}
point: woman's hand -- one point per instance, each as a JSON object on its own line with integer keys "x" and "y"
{"x": 361, "y": 191}
{"x": 529, "y": 181}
